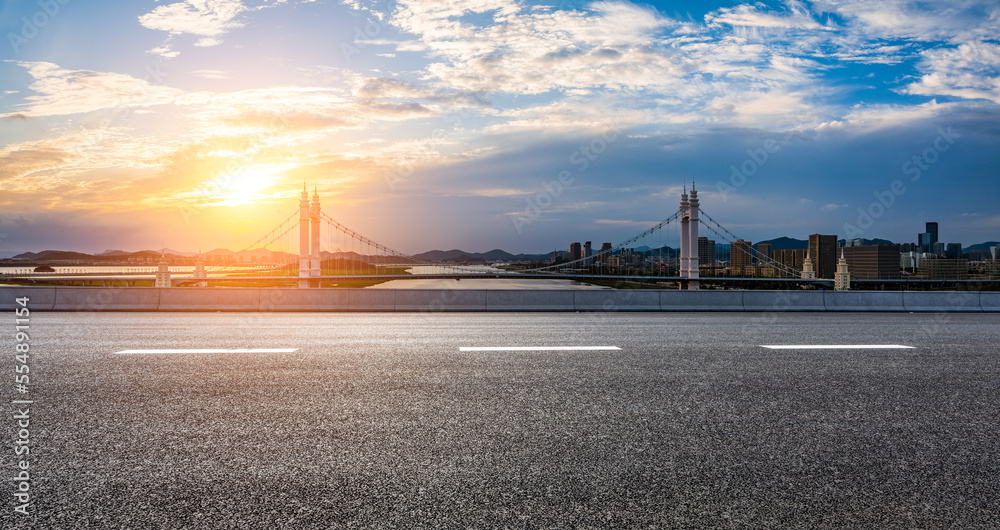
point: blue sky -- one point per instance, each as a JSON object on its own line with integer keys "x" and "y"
{"x": 429, "y": 124}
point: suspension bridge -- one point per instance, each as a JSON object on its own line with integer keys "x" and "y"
{"x": 311, "y": 249}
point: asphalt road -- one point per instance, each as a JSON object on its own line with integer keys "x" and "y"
{"x": 380, "y": 421}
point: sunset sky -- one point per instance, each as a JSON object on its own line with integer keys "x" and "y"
{"x": 194, "y": 124}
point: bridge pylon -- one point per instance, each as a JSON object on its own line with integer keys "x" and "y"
{"x": 689, "y": 222}
{"x": 304, "y": 255}
{"x": 316, "y": 259}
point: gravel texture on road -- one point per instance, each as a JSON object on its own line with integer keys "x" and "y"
{"x": 379, "y": 421}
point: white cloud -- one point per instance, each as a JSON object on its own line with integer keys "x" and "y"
{"x": 208, "y": 18}
{"x": 164, "y": 51}
{"x": 969, "y": 71}
{"x": 60, "y": 92}
{"x": 199, "y": 17}
{"x": 948, "y": 20}
{"x": 206, "y": 42}
{"x": 752, "y": 16}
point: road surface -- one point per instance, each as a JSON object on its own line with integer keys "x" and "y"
{"x": 382, "y": 420}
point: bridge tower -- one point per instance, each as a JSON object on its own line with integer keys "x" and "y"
{"x": 685, "y": 247}
{"x": 199, "y": 270}
{"x": 316, "y": 261}
{"x": 304, "y": 256}
{"x": 163, "y": 272}
{"x": 842, "y": 281}
{"x": 689, "y": 239}
{"x": 808, "y": 269}
{"x": 692, "y": 238}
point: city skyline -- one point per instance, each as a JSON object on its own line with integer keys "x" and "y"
{"x": 496, "y": 124}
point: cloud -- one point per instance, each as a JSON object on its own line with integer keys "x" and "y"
{"x": 59, "y": 91}
{"x": 752, "y": 16}
{"x": 968, "y": 71}
{"x": 164, "y": 51}
{"x": 209, "y": 19}
{"x": 953, "y": 21}
{"x": 833, "y": 207}
{"x": 212, "y": 74}
{"x": 383, "y": 87}
{"x": 625, "y": 222}
{"x": 18, "y": 161}
{"x": 206, "y": 42}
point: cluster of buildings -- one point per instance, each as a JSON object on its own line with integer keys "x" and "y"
{"x": 586, "y": 250}
{"x": 928, "y": 258}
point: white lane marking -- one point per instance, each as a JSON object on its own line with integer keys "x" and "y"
{"x": 837, "y": 347}
{"x": 202, "y": 350}
{"x": 537, "y": 348}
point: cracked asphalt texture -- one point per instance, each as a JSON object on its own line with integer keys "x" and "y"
{"x": 379, "y": 421}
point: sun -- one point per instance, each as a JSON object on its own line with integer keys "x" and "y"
{"x": 246, "y": 186}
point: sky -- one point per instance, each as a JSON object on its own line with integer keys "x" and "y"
{"x": 481, "y": 124}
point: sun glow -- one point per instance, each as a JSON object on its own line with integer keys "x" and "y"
{"x": 246, "y": 186}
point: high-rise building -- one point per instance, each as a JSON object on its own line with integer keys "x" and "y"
{"x": 928, "y": 238}
{"x": 924, "y": 242}
{"x": 790, "y": 258}
{"x": 909, "y": 247}
{"x": 706, "y": 251}
{"x": 764, "y": 251}
{"x": 605, "y": 252}
{"x": 937, "y": 248}
{"x": 823, "y": 252}
{"x": 588, "y": 251}
{"x": 873, "y": 262}
{"x": 740, "y": 257}
{"x": 995, "y": 252}
{"x": 706, "y": 254}
{"x": 932, "y": 229}
{"x": 575, "y": 251}
{"x": 953, "y": 251}
{"x": 975, "y": 255}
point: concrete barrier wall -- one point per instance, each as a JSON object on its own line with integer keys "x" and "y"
{"x": 541, "y": 300}
{"x": 989, "y": 301}
{"x": 254, "y": 299}
{"x": 613, "y": 300}
{"x": 209, "y": 299}
{"x": 768, "y": 301}
{"x": 942, "y": 301}
{"x": 701, "y": 300}
{"x": 440, "y": 300}
{"x": 40, "y": 298}
{"x": 371, "y": 299}
{"x": 304, "y": 300}
{"x": 863, "y": 300}
{"x": 106, "y": 299}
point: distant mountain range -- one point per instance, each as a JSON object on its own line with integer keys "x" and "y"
{"x": 493, "y": 255}
{"x": 984, "y": 247}
{"x": 453, "y": 255}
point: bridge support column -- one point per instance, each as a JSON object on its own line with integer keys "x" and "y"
{"x": 693, "y": 264}
{"x": 685, "y": 247}
{"x": 304, "y": 239}
{"x": 316, "y": 259}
